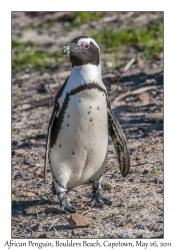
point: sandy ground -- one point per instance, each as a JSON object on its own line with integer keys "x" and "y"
{"x": 137, "y": 200}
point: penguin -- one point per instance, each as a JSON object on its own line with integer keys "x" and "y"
{"x": 79, "y": 127}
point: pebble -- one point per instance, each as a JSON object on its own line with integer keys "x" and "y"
{"x": 157, "y": 237}
{"x": 27, "y": 162}
{"x": 18, "y": 175}
{"x": 145, "y": 171}
{"x": 74, "y": 233}
{"x": 30, "y": 194}
{"x": 114, "y": 175}
{"x": 131, "y": 179}
{"x": 129, "y": 223}
{"x": 156, "y": 180}
{"x": 121, "y": 235}
{"x": 85, "y": 233}
{"x": 131, "y": 148}
{"x": 20, "y": 151}
{"x": 101, "y": 235}
{"x": 144, "y": 97}
{"x": 139, "y": 236}
{"x": 152, "y": 226}
{"x": 33, "y": 141}
{"x": 143, "y": 181}
{"x": 108, "y": 64}
{"x": 77, "y": 220}
{"x": 15, "y": 162}
{"x": 42, "y": 236}
{"x": 114, "y": 236}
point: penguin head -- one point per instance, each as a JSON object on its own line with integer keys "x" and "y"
{"x": 82, "y": 50}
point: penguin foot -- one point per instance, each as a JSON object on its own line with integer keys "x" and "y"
{"x": 65, "y": 206}
{"x": 98, "y": 200}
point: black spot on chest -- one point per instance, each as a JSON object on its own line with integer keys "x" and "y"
{"x": 58, "y": 119}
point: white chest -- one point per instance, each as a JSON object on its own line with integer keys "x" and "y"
{"x": 81, "y": 145}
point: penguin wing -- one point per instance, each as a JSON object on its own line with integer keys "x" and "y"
{"x": 54, "y": 112}
{"x": 52, "y": 119}
{"x": 120, "y": 144}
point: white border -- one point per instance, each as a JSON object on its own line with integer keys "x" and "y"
{"x": 5, "y": 97}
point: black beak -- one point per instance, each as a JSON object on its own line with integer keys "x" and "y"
{"x": 70, "y": 48}
{"x": 66, "y": 49}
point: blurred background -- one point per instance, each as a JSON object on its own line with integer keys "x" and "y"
{"x": 37, "y": 37}
{"x": 131, "y": 45}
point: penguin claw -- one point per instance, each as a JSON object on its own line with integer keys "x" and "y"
{"x": 98, "y": 200}
{"x": 107, "y": 201}
{"x": 65, "y": 206}
{"x": 97, "y": 203}
{"x": 68, "y": 208}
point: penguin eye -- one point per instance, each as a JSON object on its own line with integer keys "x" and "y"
{"x": 84, "y": 44}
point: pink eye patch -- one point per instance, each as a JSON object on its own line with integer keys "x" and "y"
{"x": 85, "y": 45}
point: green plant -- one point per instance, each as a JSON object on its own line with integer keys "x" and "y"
{"x": 32, "y": 56}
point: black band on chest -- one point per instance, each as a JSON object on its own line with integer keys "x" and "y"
{"x": 56, "y": 127}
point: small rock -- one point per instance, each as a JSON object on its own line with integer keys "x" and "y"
{"x": 143, "y": 181}
{"x": 114, "y": 236}
{"x": 131, "y": 148}
{"x": 139, "y": 61}
{"x": 42, "y": 236}
{"x": 144, "y": 97}
{"x": 77, "y": 220}
{"x": 129, "y": 223}
{"x": 74, "y": 233}
{"x": 30, "y": 194}
{"x": 27, "y": 162}
{"x": 140, "y": 132}
{"x": 114, "y": 175}
{"x": 145, "y": 171}
{"x": 156, "y": 180}
{"x": 127, "y": 236}
{"x": 152, "y": 226}
{"x": 121, "y": 235}
{"x": 33, "y": 135}
{"x": 24, "y": 76}
{"x": 139, "y": 236}
{"x": 101, "y": 235}
{"x": 38, "y": 172}
{"x": 108, "y": 64}
{"x": 157, "y": 237}
{"x": 33, "y": 141}
{"x": 150, "y": 81}
{"x": 80, "y": 204}
{"x": 20, "y": 151}
{"x": 18, "y": 175}
{"x": 131, "y": 179}
{"x": 69, "y": 235}
{"x": 85, "y": 233}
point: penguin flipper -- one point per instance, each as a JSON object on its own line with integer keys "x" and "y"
{"x": 54, "y": 113}
{"x": 120, "y": 143}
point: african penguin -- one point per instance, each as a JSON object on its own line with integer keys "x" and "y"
{"x": 80, "y": 123}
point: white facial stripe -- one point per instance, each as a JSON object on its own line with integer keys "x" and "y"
{"x": 88, "y": 40}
